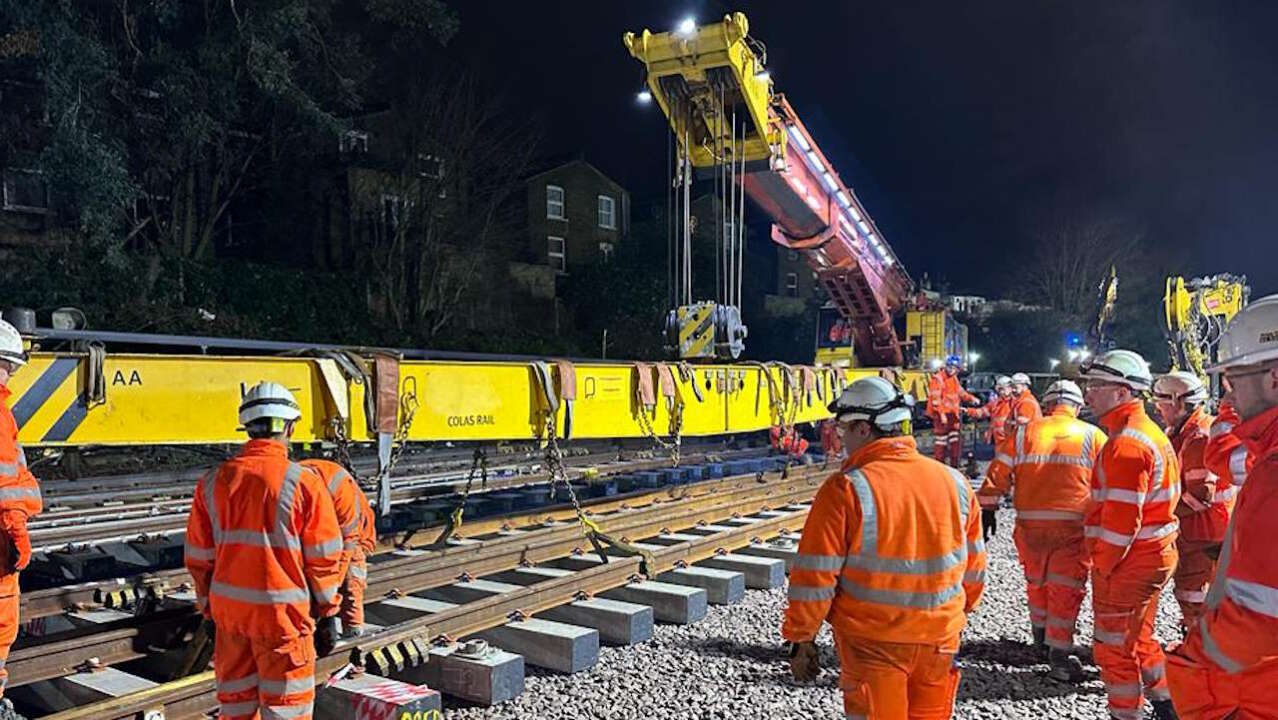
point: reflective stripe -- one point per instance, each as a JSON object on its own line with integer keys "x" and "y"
{"x": 1154, "y": 532}
{"x": 1108, "y": 637}
{"x": 1158, "y": 693}
{"x": 827, "y": 563}
{"x": 1048, "y": 515}
{"x": 1133, "y": 497}
{"x": 1238, "y": 464}
{"x": 258, "y": 597}
{"x": 199, "y": 553}
{"x": 357, "y": 571}
{"x": 974, "y": 576}
{"x": 1253, "y": 596}
{"x": 1121, "y": 713}
{"x": 19, "y": 493}
{"x": 1193, "y": 596}
{"x": 808, "y": 593}
{"x": 350, "y": 528}
{"x": 206, "y": 484}
{"x": 286, "y": 712}
{"x": 235, "y": 686}
{"x": 284, "y": 510}
{"x": 1123, "y": 690}
{"x": 22, "y": 455}
{"x": 964, "y": 502}
{"x": 201, "y": 602}
{"x": 322, "y": 550}
{"x": 850, "y": 716}
{"x": 259, "y": 538}
{"x": 1214, "y": 652}
{"x": 1220, "y": 428}
{"x": 1159, "y": 470}
{"x": 976, "y": 546}
{"x": 8, "y": 469}
{"x": 325, "y": 595}
{"x": 336, "y": 482}
{"x": 1065, "y": 581}
{"x": 1065, "y": 623}
{"x": 288, "y": 686}
{"x": 1020, "y": 441}
{"x": 1108, "y": 536}
{"x": 928, "y": 566}
{"x": 1005, "y": 459}
{"x": 1100, "y": 476}
{"x": 900, "y": 598}
{"x": 869, "y": 514}
{"x": 248, "y": 707}
{"x": 1196, "y": 474}
{"x": 1087, "y": 451}
{"x": 1224, "y": 496}
{"x": 1193, "y": 503}
{"x": 1217, "y": 591}
{"x": 1153, "y": 675}
{"x": 1055, "y": 459}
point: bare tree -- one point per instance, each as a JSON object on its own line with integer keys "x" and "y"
{"x": 1071, "y": 253}
{"x": 430, "y": 224}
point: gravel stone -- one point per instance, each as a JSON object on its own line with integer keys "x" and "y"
{"x": 729, "y": 666}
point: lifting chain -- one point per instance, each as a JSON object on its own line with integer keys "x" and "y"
{"x": 674, "y": 446}
{"x": 478, "y": 463}
{"x": 343, "y": 442}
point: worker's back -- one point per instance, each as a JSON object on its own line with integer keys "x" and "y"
{"x": 911, "y": 525}
{"x": 1050, "y": 461}
{"x": 272, "y": 536}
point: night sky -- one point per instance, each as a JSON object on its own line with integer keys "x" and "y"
{"x": 957, "y": 123}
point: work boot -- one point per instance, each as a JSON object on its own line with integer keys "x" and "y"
{"x": 1065, "y": 667}
{"x": 1040, "y": 641}
{"x": 1163, "y": 710}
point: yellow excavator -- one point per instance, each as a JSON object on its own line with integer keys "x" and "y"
{"x": 1195, "y": 313}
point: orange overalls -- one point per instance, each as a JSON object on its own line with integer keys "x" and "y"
{"x": 1228, "y": 666}
{"x": 359, "y": 536}
{"x": 1203, "y": 512}
{"x": 945, "y": 397}
{"x": 1024, "y": 410}
{"x": 1131, "y": 538}
{"x": 264, "y": 550}
{"x": 1049, "y": 463}
{"x": 998, "y": 410}
{"x": 892, "y": 556}
{"x": 19, "y": 501}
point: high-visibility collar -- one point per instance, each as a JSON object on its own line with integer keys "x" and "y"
{"x": 881, "y": 449}
{"x": 1122, "y": 416}
{"x": 264, "y": 447}
{"x": 1197, "y": 418}
{"x": 1260, "y": 433}
{"x": 1064, "y": 410}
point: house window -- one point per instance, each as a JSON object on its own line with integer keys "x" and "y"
{"x": 353, "y": 141}
{"x": 555, "y": 202}
{"x": 792, "y": 284}
{"x": 555, "y": 253}
{"x": 25, "y": 191}
{"x": 606, "y": 249}
{"x": 607, "y": 213}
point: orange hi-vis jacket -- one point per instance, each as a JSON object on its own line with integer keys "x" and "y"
{"x": 355, "y": 516}
{"x": 945, "y": 395}
{"x": 1025, "y": 409}
{"x": 998, "y": 410}
{"x": 1050, "y": 462}
{"x": 263, "y": 545}
{"x": 19, "y": 497}
{"x": 1225, "y": 454}
{"x": 1203, "y": 510}
{"x": 1240, "y": 626}
{"x": 891, "y": 551}
{"x": 1135, "y": 488}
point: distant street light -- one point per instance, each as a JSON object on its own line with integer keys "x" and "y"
{"x": 644, "y": 97}
{"x": 972, "y": 357}
{"x": 687, "y": 27}
{"x": 1054, "y": 363}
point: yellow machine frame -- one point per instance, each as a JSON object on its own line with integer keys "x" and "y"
{"x": 1189, "y": 306}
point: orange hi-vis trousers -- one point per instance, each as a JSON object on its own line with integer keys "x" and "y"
{"x": 1055, "y": 562}
{"x": 896, "y": 681}
{"x": 352, "y": 590}
{"x": 264, "y": 678}
{"x": 1124, "y": 604}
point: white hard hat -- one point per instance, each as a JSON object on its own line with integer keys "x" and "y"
{"x": 1122, "y": 367}
{"x": 1002, "y": 381}
{"x": 1252, "y": 336}
{"x": 268, "y": 400}
{"x": 1180, "y": 385}
{"x": 1063, "y": 391}
{"x": 11, "y": 345}
{"x": 1020, "y": 379}
{"x": 875, "y": 400}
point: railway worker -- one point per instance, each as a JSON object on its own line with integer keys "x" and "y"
{"x": 1205, "y": 505}
{"x": 892, "y": 557}
{"x": 1225, "y": 454}
{"x": 945, "y": 398}
{"x": 1025, "y": 408}
{"x": 1228, "y": 666}
{"x": 359, "y": 539}
{"x": 1049, "y": 463}
{"x": 996, "y": 410}
{"x": 1131, "y": 534}
{"x": 19, "y": 498}
{"x": 264, "y": 549}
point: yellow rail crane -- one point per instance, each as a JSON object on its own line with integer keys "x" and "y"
{"x": 1195, "y": 313}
